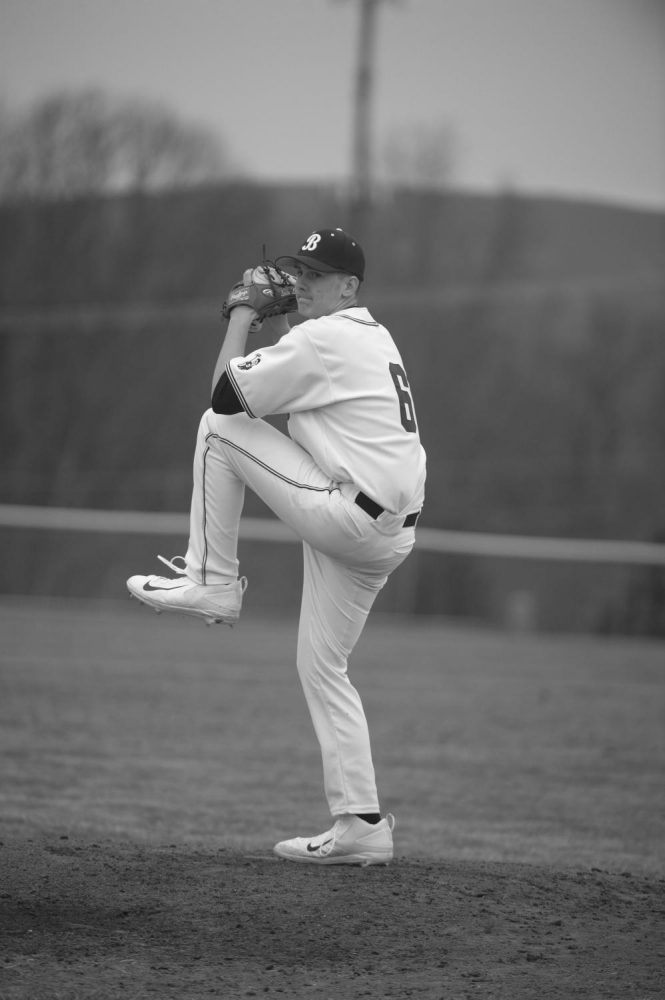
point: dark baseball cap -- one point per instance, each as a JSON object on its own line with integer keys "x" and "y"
{"x": 329, "y": 250}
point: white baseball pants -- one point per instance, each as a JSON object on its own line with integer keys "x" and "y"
{"x": 347, "y": 559}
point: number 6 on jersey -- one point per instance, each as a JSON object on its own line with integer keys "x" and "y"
{"x": 407, "y": 412}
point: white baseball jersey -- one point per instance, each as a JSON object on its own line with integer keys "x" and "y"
{"x": 342, "y": 382}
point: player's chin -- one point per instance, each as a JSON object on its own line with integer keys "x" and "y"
{"x": 309, "y": 310}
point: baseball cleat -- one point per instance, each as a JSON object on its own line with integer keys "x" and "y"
{"x": 216, "y": 604}
{"x": 351, "y": 841}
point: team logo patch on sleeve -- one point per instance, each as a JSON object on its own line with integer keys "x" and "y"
{"x": 250, "y": 362}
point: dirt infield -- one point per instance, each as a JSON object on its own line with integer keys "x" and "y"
{"x": 102, "y": 919}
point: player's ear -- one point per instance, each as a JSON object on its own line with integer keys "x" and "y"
{"x": 351, "y": 286}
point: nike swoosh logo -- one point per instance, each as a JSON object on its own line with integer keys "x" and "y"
{"x": 318, "y": 846}
{"x": 178, "y": 586}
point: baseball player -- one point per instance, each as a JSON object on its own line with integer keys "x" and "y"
{"x": 348, "y": 479}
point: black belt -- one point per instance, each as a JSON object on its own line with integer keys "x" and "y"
{"x": 374, "y": 510}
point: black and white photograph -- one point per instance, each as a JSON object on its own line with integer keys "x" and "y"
{"x": 332, "y": 506}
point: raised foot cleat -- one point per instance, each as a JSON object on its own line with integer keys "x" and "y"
{"x": 216, "y": 604}
{"x": 351, "y": 841}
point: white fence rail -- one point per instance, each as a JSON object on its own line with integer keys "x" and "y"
{"x": 265, "y": 529}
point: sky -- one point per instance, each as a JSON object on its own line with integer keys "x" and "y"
{"x": 547, "y": 97}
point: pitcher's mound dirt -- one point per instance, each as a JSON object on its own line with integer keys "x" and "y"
{"x": 106, "y": 919}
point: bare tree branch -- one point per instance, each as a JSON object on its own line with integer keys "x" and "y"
{"x": 418, "y": 156}
{"x": 79, "y": 143}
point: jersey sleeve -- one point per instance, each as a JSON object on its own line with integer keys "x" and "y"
{"x": 224, "y": 397}
{"x": 285, "y": 378}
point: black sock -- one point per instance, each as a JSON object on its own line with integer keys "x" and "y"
{"x": 370, "y": 817}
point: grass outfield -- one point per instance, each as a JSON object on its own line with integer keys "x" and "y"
{"x": 149, "y": 764}
{"x": 487, "y": 746}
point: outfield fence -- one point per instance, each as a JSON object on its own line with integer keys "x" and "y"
{"x": 585, "y": 550}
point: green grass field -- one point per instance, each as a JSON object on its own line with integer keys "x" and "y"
{"x": 487, "y": 746}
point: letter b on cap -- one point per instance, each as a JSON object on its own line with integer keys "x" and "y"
{"x": 312, "y": 242}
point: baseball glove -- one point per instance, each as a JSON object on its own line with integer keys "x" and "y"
{"x": 266, "y": 289}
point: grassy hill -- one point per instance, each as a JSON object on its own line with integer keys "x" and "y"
{"x": 189, "y": 245}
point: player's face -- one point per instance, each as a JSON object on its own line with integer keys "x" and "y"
{"x": 321, "y": 294}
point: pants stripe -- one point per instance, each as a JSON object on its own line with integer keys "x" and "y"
{"x": 268, "y": 468}
{"x": 204, "y": 525}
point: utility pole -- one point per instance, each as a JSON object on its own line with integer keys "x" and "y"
{"x": 361, "y": 178}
